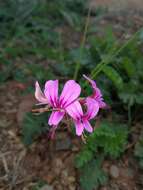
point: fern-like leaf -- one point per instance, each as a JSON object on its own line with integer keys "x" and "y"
{"x": 33, "y": 126}
{"x": 92, "y": 175}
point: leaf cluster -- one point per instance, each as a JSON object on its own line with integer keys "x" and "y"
{"x": 92, "y": 175}
{"x": 109, "y": 139}
{"x": 33, "y": 127}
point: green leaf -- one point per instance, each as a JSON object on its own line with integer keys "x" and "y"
{"x": 39, "y": 185}
{"x": 129, "y": 67}
{"x": 80, "y": 55}
{"x": 114, "y": 76}
{"x": 130, "y": 93}
{"x": 139, "y": 98}
{"x": 111, "y": 137}
{"x": 83, "y": 157}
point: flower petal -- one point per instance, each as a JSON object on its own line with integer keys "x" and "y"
{"x": 55, "y": 117}
{"x": 70, "y": 93}
{"x": 102, "y": 104}
{"x": 51, "y": 92}
{"x": 87, "y": 126}
{"x": 97, "y": 95}
{"x": 96, "y": 91}
{"x": 75, "y": 110}
{"x": 79, "y": 127}
{"x": 92, "y": 82}
{"x": 92, "y": 108}
{"x": 39, "y": 94}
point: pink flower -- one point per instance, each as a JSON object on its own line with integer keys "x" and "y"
{"x": 70, "y": 93}
{"x": 80, "y": 119}
{"x": 97, "y": 95}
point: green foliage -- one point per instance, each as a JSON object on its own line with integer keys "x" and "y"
{"x": 21, "y": 17}
{"x": 92, "y": 175}
{"x": 84, "y": 156}
{"x": 139, "y": 151}
{"x": 112, "y": 137}
{"x": 30, "y": 28}
{"x": 131, "y": 94}
{"x": 33, "y": 127}
{"x": 124, "y": 74}
{"x": 109, "y": 139}
{"x": 39, "y": 185}
{"x": 6, "y": 70}
{"x": 71, "y": 11}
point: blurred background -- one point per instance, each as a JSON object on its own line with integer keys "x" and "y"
{"x": 64, "y": 39}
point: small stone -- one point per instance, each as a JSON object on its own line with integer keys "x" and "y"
{"x": 64, "y": 177}
{"x": 61, "y": 135}
{"x": 114, "y": 171}
{"x": 4, "y": 123}
{"x": 47, "y": 187}
{"x": 127, "y": 173}
{"x": 114, "y": 186}
{"x": 75, "y": 149}
{"x": 71, "y": 179}
{"x": 63, "y": 144}
{"x": 49, "y": 178}
{"x": 72, "y": 187}
{"x": 106, "y": 166}
{"x": 9, "y": 104}
{"x": 11, "y": 111}
{"x": 58, "y": 163}
{"x": 25, "y": 188}
{"x": 58, "y": 187}
{"x": 103, "y": 188}
{"x": 64, "y": 174}
{"x": 57, "y": 166}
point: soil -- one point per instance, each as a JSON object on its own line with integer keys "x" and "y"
{"x": 114, "y": 5}
{"x": 53, "y": 161}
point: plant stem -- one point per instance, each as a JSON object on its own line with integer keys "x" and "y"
{"x": 77, "y": 67}
{"x": 129, "y": 115}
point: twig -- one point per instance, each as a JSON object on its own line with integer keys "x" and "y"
{"x": 42, "y": 110}
{"x": 5, "y": 165}
{"x": 4, "y": 154}
{"x": 83, "y": 137}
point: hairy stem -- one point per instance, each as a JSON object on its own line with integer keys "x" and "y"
{"x": 77, "y": 67}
